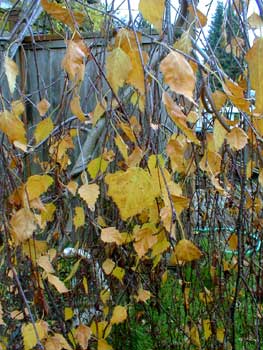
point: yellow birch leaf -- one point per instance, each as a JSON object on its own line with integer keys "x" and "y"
{"x": 68, "y": 313}
{"x": 47, "y": 214}
{"x": 186, "y": 297}
{"x": 79, "y": 217}
{"x": 85, "y": 284}
{"x": 219, "y": 99}
{"x": 11, "y": 71}
{"x": 126, "y": 128}
{"x": 184, "y": 44}
{"x": 2, "y": 322}
{"x": 118, "y": 66}
{"x": 185, "y": 251}
{"x": 43, "y": 129}
{"x": 73, "y": 61}
{"x": 236, "y": 95}
{"x": 18, "y": 107}
{"x": 101, "y": 222}
{"x": 237, "y": 138}
{"x": 249, "y": 168}
{"x": 82, "y": 335}
{"x": 138, "y": 101}
{"x": 108, "y": 266}
{"x": 123, "y": 148}
{"x": 72, "y": 186}
{"x": 53, "y": 343}
{"x": 179, "y": 118}
{"x": 89, "y": 193}
{"x": 35, "y": 246}
{"x": 73, "y": 271}
{"x": 211, "y": 162}
{"x": 194, "y": 337}
{"x": 103, "y": 345}
{"x": 76, "y": 108}
{"x": 219, "y": 135}
{"x": 202, "y": 19}
{"x": 255, "y": 21}
{"x": 153, "y": 12}
{"x": 13, "y": 127}
{"x": 57, "y": 342}
{"x": 206, "y": 296}
{"x": 119, "y": 273}
{"x": 132, "y": 191}
{"x": 44, "y": 262}
{"x": 178, "y": 74}
{"x": 17, "y": 315}
{"x": 175, "y": 151}
{"x": 105, "y": 296}
{"x": 145, "y": 238}
{"x": 166, "y": 217}
{"x": 136, "y": 74}
{"x": 29, "y": 334}
{"x": 180, "y": 203}
{"x": 101, "y": 329}
{"x": 43, "y": 107}
{"x": 135, "y": 157}
{"x": 143, "y": 295}
{"x": 233, "y": 242}
{"x": 68, "y": 17}
{"x": 98, "y": 112}
{"x": 97, "y": 166}
{"x": 220, "y": 335}
{"x": 254, "y": 59}
{"x": 23, "y": 225}
{"x": 36, "y": 185}
{"x": 111, "y": 235}
{"x": 57, "y": 283}
{"x": 161, "y": 246}
{"x": 119, "y": 314}
{"x": 126, "y": 40}
{"x": 52, "y": 253}
{"x": 260, "y": 177}
{"x": 207, "y": 329}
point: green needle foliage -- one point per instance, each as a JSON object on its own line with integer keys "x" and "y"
{"x": 220, "y": 38}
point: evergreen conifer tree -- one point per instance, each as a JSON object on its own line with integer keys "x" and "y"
{"x": 218, "y": 43}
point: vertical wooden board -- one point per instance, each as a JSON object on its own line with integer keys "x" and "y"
{"x": 57, "y": 75}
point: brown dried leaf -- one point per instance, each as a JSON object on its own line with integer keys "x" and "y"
{"x": 13, "y": 127}
{"x": 76, "y": 108}
{"x": 255, "y": 21}
{"x": 179, "y": 118}
{"x": 202, "y": 19}
{"x": 178, "y": 74}
{"x": 43, "y": 107}
{"x": 237, "y": 138}
{"x": 59, "y": 285}
{"x": 23, "y": 225}
{"x": 254, "y": 59}
{"x": 73, "y": 61}
{"x": 185, "y": 251}
{"x": 90, "y": 194}
{"x": 82, "y": 335}
{"x": 70, "y": 18}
